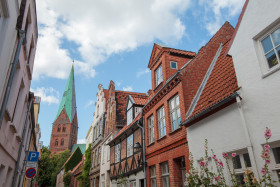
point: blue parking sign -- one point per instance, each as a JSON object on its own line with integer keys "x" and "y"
{"x": 33, "y": 156}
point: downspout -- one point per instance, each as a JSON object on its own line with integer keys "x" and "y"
{"x": 247, "y": 134}
{"x": 21, "y": 34}
{"x": 31, "y": 96}
{"x": 143, "y": 146}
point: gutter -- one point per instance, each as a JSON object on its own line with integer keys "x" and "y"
{"x": 143, "y": 146}
{"x": 21, "y": 34}
{"x": 220, "y": 103}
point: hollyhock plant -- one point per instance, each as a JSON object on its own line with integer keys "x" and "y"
{"x": 267, "y": 133}
{"x": 225, "y": 155}
{"x": 233, "y": 155}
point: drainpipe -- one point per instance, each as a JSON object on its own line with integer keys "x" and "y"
{"x": 247, "y": 134}
{"x": 143, "y": 146}
{"x": 31, "y": 96}
{"x": 21, "y": 34}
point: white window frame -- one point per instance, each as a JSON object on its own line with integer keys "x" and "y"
{"x": 153, "y": 177}
{"x": 103, "y": 180}
{"x": 176, "y": 111}
{"x": 117, "y": 152}
{"x": 129, "y": 115}
{"x": 129, "y": 146}
{"x": 266, "y": 71}
{"x": 151, "y": 129}
{"x": 274, "y": 166}
{"x": 158, "y": 75}
{"x": 161, "y": 122}
{"x": 165, "y": 175}
{"x": 175, "y": 63}
{"x": 93, "y": 159}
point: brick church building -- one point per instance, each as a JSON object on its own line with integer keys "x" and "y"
{"x": 65, "y": 126}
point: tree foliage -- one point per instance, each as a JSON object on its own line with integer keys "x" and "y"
{"x": 67, "y": 178}
{"x": 84, "y": 178}
{"x": 49, "y": 165}
{"x": 74, "y": 160}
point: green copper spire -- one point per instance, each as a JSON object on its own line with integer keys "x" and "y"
{"x": 68, "y": 101}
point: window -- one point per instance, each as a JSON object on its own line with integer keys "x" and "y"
{"x": 151, "y": 129}
{"x": 132, "y": 184}
{"x": 161, "y": 122}
{"x": 56, "y": 142}
{"x": 158, "y": 75}
{"x": 103, "y": 180}
{"x": 175, "y": 112}
{"x": 108, "y": 153}
{"x": 58, "y": 128}
{"x": 63, "y": 129}
{"x": 117, "y": 152}
{"x": 276, "y": 154}
{"x": 92, "y": 164}
{"x": 153, "y": 176}
{"x": 129, "y": 146}
{"x": 241, "y": 162}
{"x": 271, "y": 48}
{"x": 165, "y": 174}
{"x": 173, "y": 65}
{"x": 2, "y": 168}
{"x": 104, "y": 154}
{"x": 99, "y": 155}
{"x": 129, "y": 116}
{"x": 62, "y": 142}
{"x": 276, "y": 159}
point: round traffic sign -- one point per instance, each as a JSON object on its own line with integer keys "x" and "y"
{"x": 30, "y": 173}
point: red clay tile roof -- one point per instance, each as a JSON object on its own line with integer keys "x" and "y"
{"x": 121, "y": 101}
{"x": 140, "y": 99}
{"x": 127, "y": 126}
{"x": 222, "y": 83}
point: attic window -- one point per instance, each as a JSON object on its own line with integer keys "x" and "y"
{"x": 173, "y": 65}
{"x": 158, "y": 75}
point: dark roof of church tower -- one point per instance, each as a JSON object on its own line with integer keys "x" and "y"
{"x": 68, "y": 101}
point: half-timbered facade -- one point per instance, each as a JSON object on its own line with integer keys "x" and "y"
{"x": 126, "y": 158}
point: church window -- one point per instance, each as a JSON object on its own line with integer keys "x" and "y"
{"x": 62, "y": 142}
{"x": 58, "y": 129}
{"x": 64, "y": 129}
{"x": 56, "y": 142}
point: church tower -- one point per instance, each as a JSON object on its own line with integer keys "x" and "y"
{"x": 65, "y": 126}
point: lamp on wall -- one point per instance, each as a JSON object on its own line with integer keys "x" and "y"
{"x": 137, "y": 146}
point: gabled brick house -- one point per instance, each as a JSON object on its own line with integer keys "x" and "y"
{"x": 127, "y": 162}
{"x": 176, "y": 77}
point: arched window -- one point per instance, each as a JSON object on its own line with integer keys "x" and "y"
{"x": 56, "y": 142}
{"x": 58, "y": 128}
{"x": 62, "y": 142}
{"x": 64, "y": 129}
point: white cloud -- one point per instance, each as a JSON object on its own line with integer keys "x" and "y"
{"x": 90, "y": 102}
{"x": 142, "y": 72}
{"x": 219, "y": 11}
{"x": 97, "y": 29}
{"x": 82, "y": 141}
{"x": 48, "y": 95}
{"x": 128, "y": 88}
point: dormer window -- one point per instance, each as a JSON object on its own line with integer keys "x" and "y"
{"x": 173, "y": 65}
{"x": 158, "y": 75}
{"x": 129, "y": 112}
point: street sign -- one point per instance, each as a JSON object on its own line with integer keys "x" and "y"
{"x": 33, "y": 156}
{"x": 30, "y": 173}
{"x": 31, "y": 164}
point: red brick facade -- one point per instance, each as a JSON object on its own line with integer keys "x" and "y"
{"x": 64, "y": 133}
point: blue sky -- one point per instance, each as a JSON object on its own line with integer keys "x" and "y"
{"x": 113, "y": 40}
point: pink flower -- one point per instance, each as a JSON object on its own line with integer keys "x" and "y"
{"x": 233, "y": 155}
{"x": 263, "y": 171}
{"x": 267, "y": 133}
{"x": 216, "y": 178}
{"x": 265, "y": 154}
{"x": 221, "y": 164}
{"x": 216, "y": 160}
{"x": 266, "y": 147}
{"x": 267, "y": 161}
{"x": 202, "y": 163}
{"x": 225, "y": 155}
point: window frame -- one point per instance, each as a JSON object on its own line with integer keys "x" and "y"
{"x": 129, "y": 145}
{"x": 175, "y": 110}
{"x": 117, "y": 153}
{"x": 165, "y": 175}
{"x": 175, "y": 63}
{"x": 158, "y": 78}
{"x": 151, "y": 127}
{"x": 129, "y": 118}
{"x": 153, "y": 177}
{"x": 161, "y": 119}
{"x": 265, "y": 70}
{"x": 274, "y": 166}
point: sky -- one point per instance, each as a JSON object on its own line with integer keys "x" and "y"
{"x": 113, "y": 40}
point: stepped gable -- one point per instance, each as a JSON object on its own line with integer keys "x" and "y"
{"x": 221, "y": 84}
{"x": 193, "y": 73}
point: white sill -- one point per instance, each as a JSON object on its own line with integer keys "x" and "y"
{"x": 272, "y": 70}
